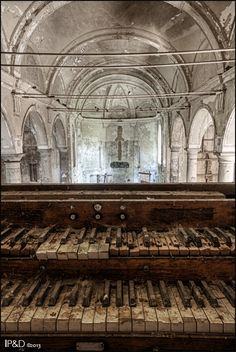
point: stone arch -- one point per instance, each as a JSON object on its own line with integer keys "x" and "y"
{"x": 37, "y": 126}
{"x": 59, "y": 151}
{"x": 59, "y": 133}
{"x": 228, "y": 144}
{"x": 200, "y": 123}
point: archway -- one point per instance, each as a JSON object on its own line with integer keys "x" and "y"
{"x": 202, "y": 163}
{"x": 59, "y": 152}
{"x": 178, "y": 153}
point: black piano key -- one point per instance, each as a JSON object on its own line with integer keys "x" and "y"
{"x": 80, "y": 236}
{"x": 196, "y": 294}
{"x": 211, "y": 237}
{"x": 5, "y": 233}
{"x": 108, "y": 235}
{"x": 55, "y": 293}
{"x": 87, "y": 294}
{"x": 45, "y": 233}
{"x": 43, "y": 294}
{"x": 118, "y": 238}
{"x": 132, "y": 298}
{"x": 233, "y": 284}
{"x": 73, "y": 296}
{"x": 17, "y": 235}
{"x": 164, "y": 294}
{"x": 224, "y": 235}
{"x": 92, "y": 235}
{"x": 119, "y": 294}
{"x": 30, "y": 294}
{"x": 11, "y": 294}
{"x": 146, "y": 237}
{"x": 106, "y": 294}
{"x": 209, "y": 294}
{"x": 151, "y": 295}
{"x": 186, "y": 299}
{"x": 65, "y": 236}
{"x": 130, "y": 240}
{"x": 228, "y": 292}
{"x": 194, "y": 237}
{"x": 186, "y": 238}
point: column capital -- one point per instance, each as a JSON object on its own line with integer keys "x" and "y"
{"x": 12, "y": 158}
{"x": 226, "y": 157}
{"x": 175, "y": 148}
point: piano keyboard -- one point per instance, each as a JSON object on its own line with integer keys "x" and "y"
{"x": 45, "y": 304}
{"x": 92, "y": 243}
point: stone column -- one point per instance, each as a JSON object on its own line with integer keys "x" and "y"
{"x": 174, "y": 164}
{"x": 64, "y": 170}
{"x": 45, "y": 167}
{"x": 13, "y": 167}
{"x": 226, "y": 167}
{"x": 192, "y": 164}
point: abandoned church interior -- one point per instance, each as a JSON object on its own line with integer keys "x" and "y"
{"x": 117, "y": 91}
{"x": 118, "y": 176}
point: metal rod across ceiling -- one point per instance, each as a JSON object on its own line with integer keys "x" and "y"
{"x": 156, "y": 53}
{"x": 173, "y": 64}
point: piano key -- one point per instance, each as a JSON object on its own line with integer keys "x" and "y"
{"x": 125, "y": 318}
{"x": 222, "y": 299}
{"x": 93, "y": 250}
{"x": 216, "y": 324}
{"x": 195, "y": 237}
{"x": 224, "y": 249}
{"x": 164, "y": 294}
{"x": 164, "y": 248}
{"x": 132, "y": 298}
{"x": 11, "y": 293}
{"x": 228, "y": 320}
{"x": 65, "y": 235}
{"x": 32, "y": 291}
{"x": 72, "y": 247}
{"x": 153, "y": 249}
{"x": 209, "y": 295}
{"x": 124, "y": 249}
{"x": 75, "y": 320}
{"x": 50, "y": 318}
{"x": 161, "y": 312}
{"x": 55, "y": 293}
{"x": 108, "y": 235}
{"x": 212, "y": 237}
{"x": 72, "y": 299}
{"x": 100, "y": 311}
{"x": 54, "y": 246}
{"x": 134, "y": 252}
{"x": 130, "y": 242}
{"x": 81, "y": 235}
{"x": 119, "y": 293}
{"x": 37, "y": 321}
{"x": 228, "y": 292}
{"x": 151, "y": 296}
{"x": 146, "y": 237}
{"x": 88, "y": 289}
{"x": 41, "y": 252}
{"x": 137, "y": 314}
{"x": 176, "y": 321}
{"x": 83, "y": 250}
{"x": 103, "y": 250}
{"x": 43, "y": 293}
{"x": 114, "y": 250}
{"x": 233, "y": 284}
{"x": 62, "y": 321}
{"x": 172, "y": 248}
{"x": 92, "y": 235}
{"x": 196, "y": 294}
{"x": 118, "y": 238}
{"x": 7, "y": 310}
{"x": 202, "y": 322}
{"x": 106, "y": 294}
{"x": 89, "y": 311}
{"x": 5, "y": 285}
{"x": 6, "y": 234}
{"x": 112, "y": 320}
{"x": 150, "y": 318}
{"x": 45, "y": 233}
{"x": 189, "y": 322}
{"x": 143, "y": 251}
{"x": 224, "y": 235}
{"x": 186, "y": 299}
{"x": 11, "y": 323}
{"x": 24, "y": 322}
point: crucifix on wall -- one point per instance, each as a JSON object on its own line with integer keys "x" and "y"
{"x": 119, "y": 139}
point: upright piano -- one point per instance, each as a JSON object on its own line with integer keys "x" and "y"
{"x": 118, "y": 267}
